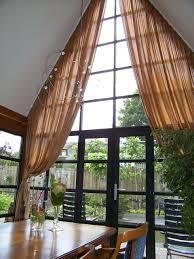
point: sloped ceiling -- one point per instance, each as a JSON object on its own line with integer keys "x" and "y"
{"x": 30, "y": 33}
{"x": 180, "y": 14}
{"x": 32, "y": 30}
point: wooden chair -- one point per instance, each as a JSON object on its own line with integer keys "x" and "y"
{"x": 136, "y": 240}
{"x": 90, "y": 253}
{"x": 177, "y": 241}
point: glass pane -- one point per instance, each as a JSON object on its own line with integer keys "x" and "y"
{"x": 76, "y": 122}
{"x": 7, "y": 197}
{"x": 159, "y": 185}
{"x": 9, "y": 144}
{"x": 69, "y": 152}
{"x": 38, "y": 181}
{"x": 120, "y": 29}
{"x": 99, "y": 86}
{"x": 118, "y": 11}
{"x": 122, "y": 55}
{"x": 95, "y": 206}
{"x": 107, "y": 31}
{"x": 109, "y": 11}
{"x": 98, "y": 115}
{"x": 65, "y": 173}
{"x": 129, "y": 112}
{"x": 8, "y": 172}
{"x": 159, "y": 209}
{"x": 95, "y": 176}
{"x": 132, "y": 148}
{"x": 125, "y": 82}
{"x": 161, "y": 251}
{"x": 104, "y": 58}
{"x": 96, "y": 149}
{"x": 132, "y": 176}
{"x": 132, "y": 209}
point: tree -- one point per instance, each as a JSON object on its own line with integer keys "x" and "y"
{"x": 132, "y": 113}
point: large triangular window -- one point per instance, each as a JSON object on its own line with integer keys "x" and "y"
{"x": 111, "y": 98}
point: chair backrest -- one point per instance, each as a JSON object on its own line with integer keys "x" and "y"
{"x": 136, "y": 240}
{"x": 176, "y": 237}
{"x": 69, "y": 206}
{"x": 90, "y": 253}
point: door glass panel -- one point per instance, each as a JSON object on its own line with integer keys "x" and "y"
{"x": 65, "y": 173}
{"x": 96, "y": 149}
{"x": 132, "y": 148}
{"x": 95, "y": 176}
{"x": 132, "y": 209}
{"x": 95, "y": 206}
{"x": 132, "y": 176}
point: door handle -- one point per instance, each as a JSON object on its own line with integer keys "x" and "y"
{"x": 115, "y": 191}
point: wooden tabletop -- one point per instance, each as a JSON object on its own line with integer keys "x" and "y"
{"x": 18, "y": 242}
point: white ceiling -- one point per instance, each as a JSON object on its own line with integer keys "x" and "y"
{"x": 180, "y": 14}
{"x": 30, "y": 33}
{"x": 32, "y": 30}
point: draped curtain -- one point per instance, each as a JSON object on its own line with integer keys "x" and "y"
{"x": 52, "y": 115}
{"x": 163, "y": 66}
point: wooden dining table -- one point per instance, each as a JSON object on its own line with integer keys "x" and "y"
{"x": 17, "y": 241}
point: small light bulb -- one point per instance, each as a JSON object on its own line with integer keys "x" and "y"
{"x": 62, "y": 53}
{"x": 55, "y": 69}
{"x": 51, "y": 76}
{"x": 45, "y": 87}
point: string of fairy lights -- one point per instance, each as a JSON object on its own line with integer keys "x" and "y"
{"x": 48, "y": 79}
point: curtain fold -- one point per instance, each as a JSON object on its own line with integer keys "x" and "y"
{"x": 52, "y": 115}
{"x": 163, "y": 66}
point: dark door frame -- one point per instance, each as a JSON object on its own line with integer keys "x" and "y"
{"x": 113, "y": 136}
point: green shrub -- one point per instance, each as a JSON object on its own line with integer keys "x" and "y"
{"x": 5, "y": 200}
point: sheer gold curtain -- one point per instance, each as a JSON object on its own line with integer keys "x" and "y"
{"x": 163, "y": 66}
{"x": 52, "y": 115}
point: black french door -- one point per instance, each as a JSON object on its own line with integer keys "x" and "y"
{"x": 115, "y": 179}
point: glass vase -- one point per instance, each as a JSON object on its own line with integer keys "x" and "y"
{"x": 56, "y": 226}
{"x": 37, "y": 215}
